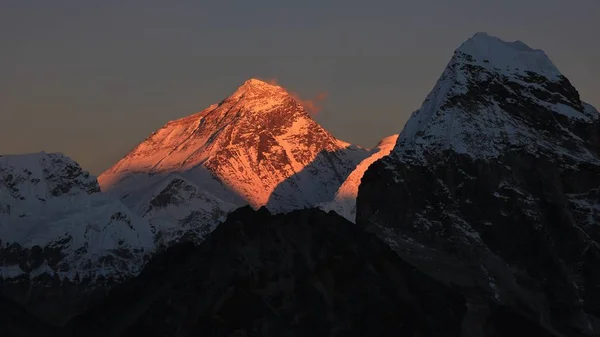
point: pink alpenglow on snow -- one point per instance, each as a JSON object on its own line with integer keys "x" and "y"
{"x": 345, "y": 198}
{"x": 259, "y": 146}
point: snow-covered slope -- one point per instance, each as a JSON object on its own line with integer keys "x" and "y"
{"x": 258, "y": 146}
{"x": 344, "y": 202}
{"x": 493, "y": 95}
{"x": 183, "y": 210}
{"x": 55, "y": 221}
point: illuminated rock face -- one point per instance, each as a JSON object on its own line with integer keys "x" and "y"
{"x": 494, "y": 186}
{"x": 258, "y": 147}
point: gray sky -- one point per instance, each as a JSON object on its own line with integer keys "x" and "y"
{"x": 92, "y": 81}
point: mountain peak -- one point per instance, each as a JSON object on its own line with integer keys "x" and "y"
{"x": 258, "y": 146}
{"x": 51, "y": 174}
{"x": 255, "y": 82}
{"x": 254, "y": 87}
{"x": 495, "y": 95}
{"x": 514, "y": 57}
{"x": 388, "y": 141}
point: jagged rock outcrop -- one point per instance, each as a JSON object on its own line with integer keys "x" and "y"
{"x": 494, "y": 187}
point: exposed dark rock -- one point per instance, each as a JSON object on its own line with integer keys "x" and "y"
{"x": 170, "y": 195}
{"x": 304, "y": 273}
{"x": 506, "y": 223}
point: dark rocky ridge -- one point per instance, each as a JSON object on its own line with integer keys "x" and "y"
{"x": 303, "y": 273}
{"x": 306, "y": 272}
{"x": 529, "y": 240}
{"x": 17, "y": 322}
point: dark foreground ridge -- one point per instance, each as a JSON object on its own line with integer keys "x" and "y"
{"x": 299, "y": 274}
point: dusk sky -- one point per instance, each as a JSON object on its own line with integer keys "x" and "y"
{"x": 93, "y": 81}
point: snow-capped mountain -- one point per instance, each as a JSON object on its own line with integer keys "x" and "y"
{"x": 258, "y": 146}
{"x": 56, "y": 226}
{"x": 494, "y": 187}
{"x": 494, "y": 95}
{"x": 344, "y": 202}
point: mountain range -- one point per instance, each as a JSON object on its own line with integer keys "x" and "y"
{"x": 480, "y": 218}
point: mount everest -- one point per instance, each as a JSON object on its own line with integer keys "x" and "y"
{"x": 257, "y": 147}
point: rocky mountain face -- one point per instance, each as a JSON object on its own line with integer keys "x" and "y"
{"x": 344, "y": 202}
{"x": 59, "y": 236}
{"x": 303, "y": 273}
{"x": 494, "y": 187}
{"x": 258, "y": 147}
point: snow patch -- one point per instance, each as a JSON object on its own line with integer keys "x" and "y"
{"x": 344, "y": 202}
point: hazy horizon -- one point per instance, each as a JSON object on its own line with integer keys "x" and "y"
{"x": 93, "y": 81}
